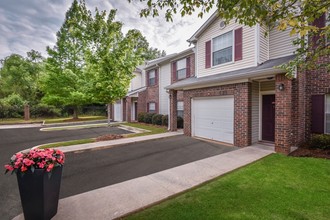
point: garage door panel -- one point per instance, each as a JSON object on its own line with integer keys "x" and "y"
{"x": 213, "y": 118}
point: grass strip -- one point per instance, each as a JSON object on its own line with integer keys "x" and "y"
{"x": 276, "y": 187}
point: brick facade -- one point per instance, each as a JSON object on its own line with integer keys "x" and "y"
{"x": 173, "y": 110}
{"x": 242, "y": 104}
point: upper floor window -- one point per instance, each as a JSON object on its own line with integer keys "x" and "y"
{"x": 152, "y": 78}
{"x": 181, "y": 71}
{"x": 222, "y": 48}
{"x": 152, "y": 107}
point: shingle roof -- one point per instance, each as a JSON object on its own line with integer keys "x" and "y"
{"x": 260, "y": 70}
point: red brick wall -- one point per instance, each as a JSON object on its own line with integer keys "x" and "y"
{"x": 242, "y": 114}
{"x": 142, "y": 102}
{"x": 192, "y": 68}
{"x": 173, "y": 110}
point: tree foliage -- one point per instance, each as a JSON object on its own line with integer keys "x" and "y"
{"x": 19, "y": 75}
{"x": 297, "y": 15}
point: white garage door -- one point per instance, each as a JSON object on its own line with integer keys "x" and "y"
{"x": 213, "y": 118}
{"x": 118, "y": 111}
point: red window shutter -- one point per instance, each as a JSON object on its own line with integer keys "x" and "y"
{"x": 156, "y": 107}
{"x": 319, "y": 22}
{"x": 148, "y": 107}
{"x": 174, "y": 71}
{"x": 318, "y": 114}
{"x": 156, "y": 76}
{"x": 238, "y": 44}
{"x": 188, "y": 67}
{"x": 208, "y": 54}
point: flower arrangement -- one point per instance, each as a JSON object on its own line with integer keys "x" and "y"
{"x": 35, "y": 159}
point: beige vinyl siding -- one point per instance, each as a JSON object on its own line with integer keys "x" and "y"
{"x": 281, "y": 43}
{"x": 136, "y": 82}
{"x": 264, "y": 44}
{"x": 255, "y": 112}
{"x": 267, "y": 86}
{"x": 213, "y": 31}
{"x": 164, "y": 80}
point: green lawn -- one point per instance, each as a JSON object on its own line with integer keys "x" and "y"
{"x": 154, "y": 129}
{"x": 68, "y": 143}
{"x": 277, "y": 187}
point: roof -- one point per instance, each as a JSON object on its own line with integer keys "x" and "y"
{"x": 264, "y": 69}
{"x": 153, "y": 63}
{"x": 209, "y": 21}
{"x": 132, "y": 92}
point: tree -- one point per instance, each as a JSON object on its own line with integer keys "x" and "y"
{"x": 153, "y": 53}
{"x": 112, "y": 58}
{"x": 64, "y": 82}
{"x": 19, "y": 75}
{"x": 300, "y": 15}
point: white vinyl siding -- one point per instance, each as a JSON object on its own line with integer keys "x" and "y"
{"x": 213, "y": 118}
{"x": 181, "y": 69}
{"x": 164, "y": 80}
{"x": 263, "y": 44}
{"x": 281, "y": 43}
{"x": 255, "y": 112}
{"x": 213, "y": 31}
{"x": 327, "y": 115}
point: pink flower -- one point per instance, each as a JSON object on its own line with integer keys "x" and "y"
{"x": 9, "y": 167}
{"x": 41, "y": 164}
{"x": 50, "y": 167}
{"x": 28, "y": 162}
{"x": 23, "y": 168}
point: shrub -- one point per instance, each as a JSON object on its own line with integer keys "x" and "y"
{"x": 12, "y": 107}
{"x": 321, "y": 141}
{"x": 141, "y": 116}
{"x": 148, "y": 118}
{"x": 43, "y": 110}
{"x": 165, "y": 120}
{"x": 180, "y": 122}
{"x": 157, "y": 119}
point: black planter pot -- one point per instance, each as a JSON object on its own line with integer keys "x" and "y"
{"x": 39, "y": 193}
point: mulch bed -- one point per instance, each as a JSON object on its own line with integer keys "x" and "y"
{"x": 305, "y": 152}
{"x": 109, "y": 137}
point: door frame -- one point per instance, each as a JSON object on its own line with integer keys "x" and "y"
{"x": 261, "y": 93}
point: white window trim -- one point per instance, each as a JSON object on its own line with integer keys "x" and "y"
{"x": 233, "y": 49}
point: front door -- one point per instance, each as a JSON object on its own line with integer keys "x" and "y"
{"x": 268, "y": 117}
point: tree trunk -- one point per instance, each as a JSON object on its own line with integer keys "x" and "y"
{"x": 109, "y": 113}
{"x": 75, "y": 112}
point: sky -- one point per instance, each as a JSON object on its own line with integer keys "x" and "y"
{"x": 32, "y": 24}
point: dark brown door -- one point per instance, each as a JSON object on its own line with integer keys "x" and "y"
{"x": 136, "y": 114}
{"x": 268, "y": 117}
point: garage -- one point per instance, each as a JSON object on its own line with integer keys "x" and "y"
{"x": 213, "y": 118}
{"x": 118, "y": 111}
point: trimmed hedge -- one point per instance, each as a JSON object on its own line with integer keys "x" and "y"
{"x": 157, "y": 119}
{"x": 148, "y": 118}
{"x": 141, "y": 116}
{"x": 321, "y": 141}
{"x": 165, "y": 120}
{"x": 42, "y": 110}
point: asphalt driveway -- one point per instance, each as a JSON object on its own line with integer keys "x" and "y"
{"x": 98, "y": 168}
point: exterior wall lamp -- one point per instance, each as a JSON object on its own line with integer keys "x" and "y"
{"x": 280, "y": 87}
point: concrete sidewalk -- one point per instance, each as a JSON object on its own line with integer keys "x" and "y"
{"x": 119, "y": 199}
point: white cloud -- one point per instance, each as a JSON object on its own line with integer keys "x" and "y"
{"x": 33, "y": 24}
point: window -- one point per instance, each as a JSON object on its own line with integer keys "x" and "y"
{"x": 327, "y": 114}
{"x": 222, "y": 48}
{"x": 152, "y": 77}
{"x": 180, "y": 109}
{"x": 181, "y": 69}
{"x": 152, "y": 107}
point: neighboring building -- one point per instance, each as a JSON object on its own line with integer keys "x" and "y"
{"x": 238, "y": 96}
